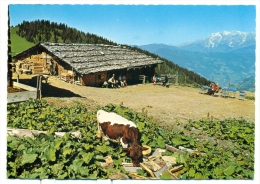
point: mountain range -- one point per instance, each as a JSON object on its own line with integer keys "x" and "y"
{"x": 223, "y": 57}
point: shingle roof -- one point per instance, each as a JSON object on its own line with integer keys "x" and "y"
{"x": 92, "y": 58}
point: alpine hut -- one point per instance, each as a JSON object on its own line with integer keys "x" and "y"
{"x": 87, "y": 64}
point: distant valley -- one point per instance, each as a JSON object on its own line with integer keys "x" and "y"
{"x": 227, "y": 58}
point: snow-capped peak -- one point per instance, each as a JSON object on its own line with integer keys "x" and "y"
{"x": 222, "y": 42}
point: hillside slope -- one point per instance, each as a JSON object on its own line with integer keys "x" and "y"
{"x": 221, "y": 67}
{"x": 18, "y": 44}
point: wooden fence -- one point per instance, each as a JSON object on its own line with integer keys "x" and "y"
{"x": 31, "y": 92}
{"x": 173, "y": 78}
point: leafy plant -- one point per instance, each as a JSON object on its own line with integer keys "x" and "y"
{"x": 227, "y": 146}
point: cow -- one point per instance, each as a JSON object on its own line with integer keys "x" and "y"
{"x": 116, "y": 128}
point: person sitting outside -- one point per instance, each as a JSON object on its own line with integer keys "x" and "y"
{"x": 154, "y": 79}
{"x": 120, "y": 81}
{"x": 112, "y": 81}
{"x": 105, "y": 84}
{"x": 166, "y": 79}
{"x": 217, "y": 88}
{"x": 124, "y": 80}
{"x": 213, "y": 88}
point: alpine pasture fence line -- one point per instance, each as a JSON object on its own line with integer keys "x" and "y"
{"x": 171, "y": 77}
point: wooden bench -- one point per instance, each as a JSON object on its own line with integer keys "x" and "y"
{"x": 242, "y": 95}
{"x": 163, "y": 83}
{"x": 142, "y": 78}
{"x": 204, "y": 89}
{"x": 229, "y": 92}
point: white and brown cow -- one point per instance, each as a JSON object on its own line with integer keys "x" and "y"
{"x": 115, "y": 128}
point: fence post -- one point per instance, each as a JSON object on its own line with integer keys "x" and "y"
{"x": 177, "y": 78}
{"x": 38, "y": 87}
{"x": 17, "y": 77}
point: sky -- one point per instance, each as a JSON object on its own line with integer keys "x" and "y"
{"x": 143, "y": 24}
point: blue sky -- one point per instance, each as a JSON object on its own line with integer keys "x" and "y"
{"x": 143, "y": 24}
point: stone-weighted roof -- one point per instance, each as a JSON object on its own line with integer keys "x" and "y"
{"x": 92, "y": 58}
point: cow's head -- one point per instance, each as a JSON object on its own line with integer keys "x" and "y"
{"x": 135, "y": 153}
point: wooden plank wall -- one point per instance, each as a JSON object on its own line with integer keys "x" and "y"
{"x": 95, "y": 79}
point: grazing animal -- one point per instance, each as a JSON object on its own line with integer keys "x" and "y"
{"x": 115, "y": 128}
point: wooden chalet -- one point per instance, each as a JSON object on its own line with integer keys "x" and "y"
{"x": 86, "y": 64}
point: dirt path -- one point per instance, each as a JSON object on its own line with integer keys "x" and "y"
{"x": 166, "y": 105}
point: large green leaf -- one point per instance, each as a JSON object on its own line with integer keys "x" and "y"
{"x": 66, "y": 151}
{"x": 13, "y": 142}
{"x": 51, "y": 131}
{"x": 66, "y": 136}
{"x": 56, "y": 168}
{"x": 28, "y": 158}
{"x": 21, "y": 147}
{"x": 165, "y": 176}
{"x": 84, "y": 171}
{"x": 141, "y": 172}
{"x": 93, "y": 175}
{"x": 198, "y": 176}
{"x": 76, "y": 166}
{"x": 50, "y": 154}
{"x": 161, "y": 142}
{"x": 103, "y": 148}
{"x": 57, "y": 143}
{"x": 87, "y": 157}
{"x": 217, "y": 172}
{"x": 181, "y": 158}
{"x": 62, "y": 175}
{"x": 177, "y": 141}
{"x": 228, "y": 171}
{"x": 88, "y": 146}
{"x": 145, "y": 138}
{"x": 140, "y": 126}
{"x": 192, "y": 172}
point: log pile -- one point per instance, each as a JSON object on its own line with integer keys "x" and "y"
{"x": 29, "y": 133}
{"x": 155, "y": 166}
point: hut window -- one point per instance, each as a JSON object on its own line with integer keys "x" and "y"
{"x": 99, "y": 77}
